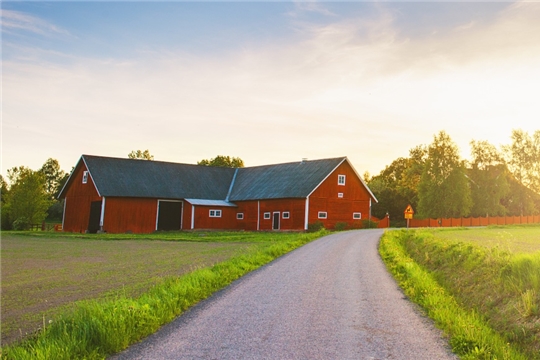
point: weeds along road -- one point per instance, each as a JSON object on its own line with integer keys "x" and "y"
{"x": 331, "y": 299}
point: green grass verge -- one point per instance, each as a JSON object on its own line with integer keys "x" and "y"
{"x": 93, "y": 329}
{"x": 470, "y": 331}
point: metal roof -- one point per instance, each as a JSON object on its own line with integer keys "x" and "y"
{"x": 205, "y": 202}
{"x": 290, "y": 180}
{"x": 206, "y": 185}
{"x": 157, "y": 179}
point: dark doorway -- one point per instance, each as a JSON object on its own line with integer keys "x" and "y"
{"x": 169, "y": 215}
{"x": 275, "y": 221}
{"x": 95, "y": 217}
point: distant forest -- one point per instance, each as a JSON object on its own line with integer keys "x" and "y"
{"x": 434, "y": 180}
{"x": 437, "y": 183}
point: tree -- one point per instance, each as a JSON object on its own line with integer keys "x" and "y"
{"x": 488, "y": 176}
{"x": 223, "y": 161}
{"x": 397, "y": 185}
{"x": 140, "y": 155}
{"x": 54, "y": 177}
{"x": 523, "y": 158}
{"x": 443, "y": 189}
{"x": 27, "y": 201}
{"x": 5, "y": 224}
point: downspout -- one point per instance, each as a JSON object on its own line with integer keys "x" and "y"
{"x": 306, "y": 216}
{"x": 102, "y": 213}
{"x": 258, "y": 215}
{"x": 370, "y": 209}
{"x": 192, "y": 216}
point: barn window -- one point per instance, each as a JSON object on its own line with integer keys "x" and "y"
{"x": 341, "y": 179}
{"x": 267, "y": 215}
{"x": 215, "y": 213}
{"x": 286, "y": 215}
{"x": 85, "y": 177}
{"x": 340, "y": 195}
{"x": 323, "y": 215}
{"x": 356, "y": 215}
{"x": 240, "y": 216}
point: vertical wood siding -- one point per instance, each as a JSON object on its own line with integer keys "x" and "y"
{"x": 325, "y": 198}
{"x": 78, "y": 199}
{"x": 137, "y": 215}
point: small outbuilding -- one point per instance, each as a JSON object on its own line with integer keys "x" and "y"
{"x": 126, "y": 195}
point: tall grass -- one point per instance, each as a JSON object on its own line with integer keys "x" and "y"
{"x": 470, "y": 334}
{"x": 97, "y": 328}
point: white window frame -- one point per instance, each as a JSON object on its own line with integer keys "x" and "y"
{"x": 85, "y": 177}
{"x": 215, "y": 213}
{"x": 340, "y": 195}
{"x": 341, "y": 180}
{"x": 322, "y": 215}
{"x": 267, "y": 216}
{"x": 355, "y": 217}
{"x": 240, "y": 216}
{"x": 286, "y": 215}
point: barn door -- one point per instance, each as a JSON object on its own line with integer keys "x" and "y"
{"x": 169, "y": 215}
{"x": 95, "y": 216}
{"x": 275, "y": 221}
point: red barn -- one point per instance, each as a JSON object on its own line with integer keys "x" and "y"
{"x": 125, "y": 195}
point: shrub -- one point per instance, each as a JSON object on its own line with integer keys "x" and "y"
{"x": 21, "y": 223}
{"x": 316, "y": 226}
{"x": 369, "y": 224}
{"x": 340, "y": 226}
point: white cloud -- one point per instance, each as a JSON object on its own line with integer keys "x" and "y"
{"x": 15, "y": 21}
{"x": 352, "y": 88}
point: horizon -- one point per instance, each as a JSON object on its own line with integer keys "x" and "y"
{"x": 268, "y": 83}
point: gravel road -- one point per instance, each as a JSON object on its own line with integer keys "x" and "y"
{"x": 331, "y": 299}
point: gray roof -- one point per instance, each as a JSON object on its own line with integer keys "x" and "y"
{"x": 165, "y": 180}
{"x": 290, "y": 180}
{"x": 157, "y": 179}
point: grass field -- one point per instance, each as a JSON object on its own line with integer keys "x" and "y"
{"x": 43, "y": 273}
{"x": 481, "y": 285}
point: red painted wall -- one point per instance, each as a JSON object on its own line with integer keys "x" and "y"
{"x": 78, "y": 199}
{"x": 325, "y": 198}
{"x": 137, "y": 215}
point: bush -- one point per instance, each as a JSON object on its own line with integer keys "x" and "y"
{"x": 369, "y": 224}
{"x": 21, "y": 223}
{"x": 340, "y": 226}
{"x": 316, "y": 226}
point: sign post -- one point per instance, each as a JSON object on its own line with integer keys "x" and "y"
{"x": 409, "y": 212}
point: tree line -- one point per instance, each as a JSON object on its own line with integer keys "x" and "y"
{"x": 31, "y": 196}
{"x": 434, "y": 180}
{"x": 438, "y": 183}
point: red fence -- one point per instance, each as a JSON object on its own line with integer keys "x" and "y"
{"x": 478, "y": 221}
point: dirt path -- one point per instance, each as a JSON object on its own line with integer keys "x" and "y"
{"x": 331, "y": 299}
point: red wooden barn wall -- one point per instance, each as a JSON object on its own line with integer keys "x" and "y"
{"x": 78, "y": 199}
{"x": 325, "y": 198}
{"x": 137, "y": 215}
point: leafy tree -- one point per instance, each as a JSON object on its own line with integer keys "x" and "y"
{"x": 141, "y": 155}
{"x": 397, "y": 185}
{"x": 443, "y": 188}
{"x": 54, "y": 176}
{"x": 5, "y": 224}
{"x": 27, "y": 201}
{"x": 223, "y": 161}
{"x": 488, "y": 176}
{"x": 523, "y": 158}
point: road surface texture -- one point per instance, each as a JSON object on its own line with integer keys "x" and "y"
{"x": 330, "y": 299}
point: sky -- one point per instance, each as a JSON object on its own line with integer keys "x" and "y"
{"x": 268, "y": 82}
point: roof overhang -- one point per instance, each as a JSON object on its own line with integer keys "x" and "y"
{"x": 208, "y": 202}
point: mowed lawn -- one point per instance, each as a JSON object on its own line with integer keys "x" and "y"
{"x": 40, "y": 275}
{"x": 515, "y": 239}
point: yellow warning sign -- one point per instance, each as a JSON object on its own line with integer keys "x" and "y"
{"x": 409, "y": 212}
